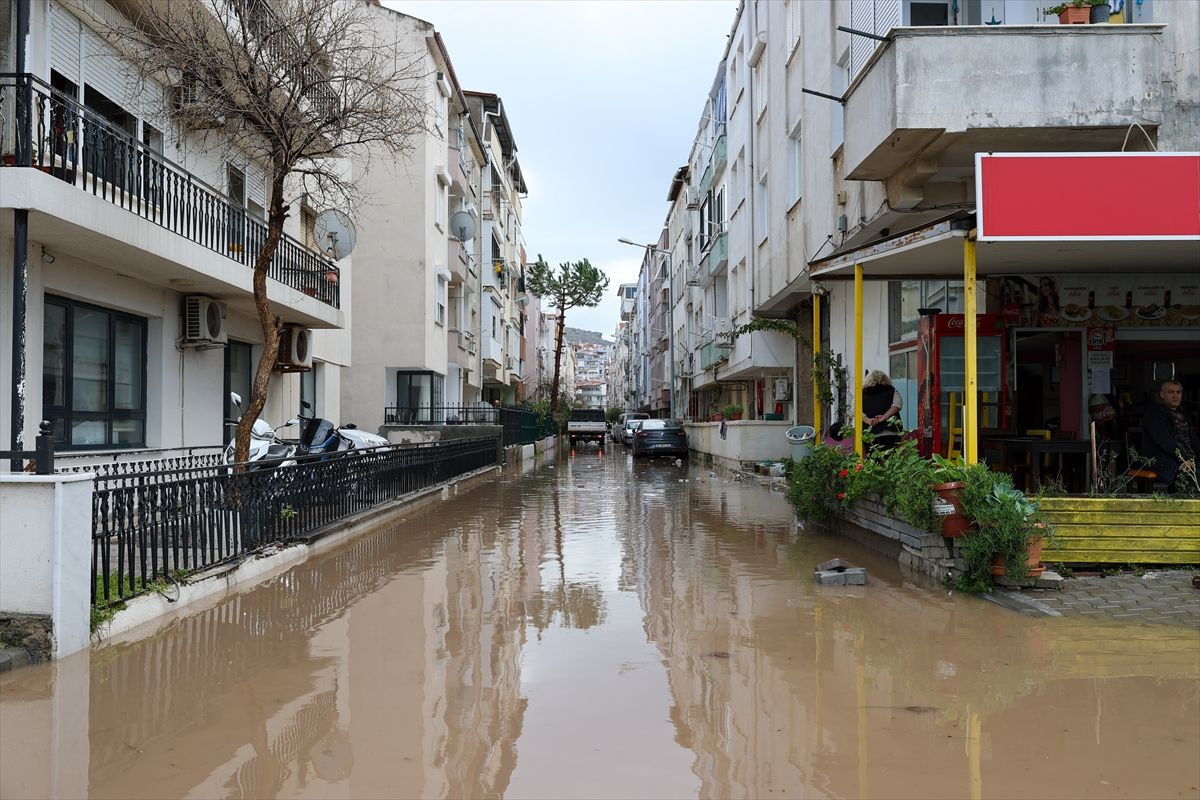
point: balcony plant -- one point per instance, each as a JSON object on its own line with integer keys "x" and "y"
{"x": 1101, "y": 11}
{"x": 733, "y": 411}
{"x": 1072, "y": 12}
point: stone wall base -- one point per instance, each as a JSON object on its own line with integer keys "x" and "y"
{"x": 33, "y": 633}
{"x": 869, "y": 523}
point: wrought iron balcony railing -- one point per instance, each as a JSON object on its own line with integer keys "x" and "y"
{"x": 45, "y": 129}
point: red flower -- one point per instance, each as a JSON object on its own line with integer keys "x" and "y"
{"x": 841, "y": 495}
{"x": 858, "y": 467}
{"x": 845, "y": 473}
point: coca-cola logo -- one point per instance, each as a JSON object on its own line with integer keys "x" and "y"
{"x": 956, "y": 322}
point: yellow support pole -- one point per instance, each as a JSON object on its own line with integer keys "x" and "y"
{"x": 816, "y": 350}
{"x": 974, "y": 756}
{"x": 971, "y": 414}
{"x": 858, "y": 365}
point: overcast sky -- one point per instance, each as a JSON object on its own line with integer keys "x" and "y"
{"x": 604, "y": 98}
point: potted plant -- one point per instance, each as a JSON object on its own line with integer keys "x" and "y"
{"x": 733, "y": 411}
{"x": 1101, "y": 11}
{"x": 1008, "y": 535}
{"x": 947, "y": 481}
{"x": 1072, "y": 12}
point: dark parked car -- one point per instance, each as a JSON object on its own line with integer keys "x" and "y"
{"x": 660, "y": 437}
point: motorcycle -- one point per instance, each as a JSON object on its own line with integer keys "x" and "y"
{"x": 267, "y": 450}
{"x": 321, "y": 437}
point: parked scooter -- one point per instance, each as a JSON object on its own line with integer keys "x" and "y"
{"x": 267, "y": 450}
{"x": 321, "y": 437}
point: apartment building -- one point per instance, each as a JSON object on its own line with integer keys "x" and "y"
{"x": 419, "y": 271}
{"x": 503, "y": 297}
{"x": 820, "y": 149}
{"x": 885, "y": 186}
{"x": 136, "y": 241}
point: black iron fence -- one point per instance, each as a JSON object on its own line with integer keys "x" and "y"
{"x": 150, "y": 527}
{"x": 520, "y": 425}
{"x": 64, "y": 138}
{"x": 42, "y": 455}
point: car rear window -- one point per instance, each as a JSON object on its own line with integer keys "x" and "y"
{"x": 587, "y": 415}
{"x": 633, "y": 423}
{"x": 660, "y": 424}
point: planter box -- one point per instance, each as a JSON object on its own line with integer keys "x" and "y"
{"x": 926, "y": 553}
{"x": 1118, "y": 530}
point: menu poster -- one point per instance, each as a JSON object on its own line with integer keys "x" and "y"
{"x": 1057, "y": 301}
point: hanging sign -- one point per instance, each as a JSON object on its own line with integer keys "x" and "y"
{"x": 1087, "y": 196}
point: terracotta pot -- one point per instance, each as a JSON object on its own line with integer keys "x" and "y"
{"x": 948, "y": 506}
{"x": 1033, "y": 561}
{"x": 1075, "y": 16}
{"x": 716, "y": 417}
{"x": 735, "y": 416}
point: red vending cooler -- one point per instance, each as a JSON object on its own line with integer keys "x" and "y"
{"x": 942, "y": 367}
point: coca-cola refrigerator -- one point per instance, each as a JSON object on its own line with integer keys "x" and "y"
{"x": 941, "y": 366}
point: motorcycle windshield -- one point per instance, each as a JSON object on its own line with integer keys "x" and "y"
{"x": 318, "y": 434}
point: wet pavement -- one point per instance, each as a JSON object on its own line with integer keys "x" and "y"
{"x": 1160, "y": 596}
{"x": 599, "y": 628}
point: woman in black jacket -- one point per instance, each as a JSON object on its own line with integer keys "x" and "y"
{"x": 881, "y": 409}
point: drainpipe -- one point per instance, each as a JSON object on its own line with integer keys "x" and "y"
{"x": 20, "y": 237}
{"x": 752, "y": 261}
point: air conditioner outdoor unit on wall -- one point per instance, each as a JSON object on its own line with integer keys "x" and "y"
{"x": 693, "y": 197}
{"x": 782, "y": 390}
{"x": 295, "y": 349}
{"x": 203, "y": 320}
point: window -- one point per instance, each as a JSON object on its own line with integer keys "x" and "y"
{"x": 93, "y": 375}
{"x": 239, "y": 376}
{"x": 760, "y": 88}
{"x": 795, "y": 167}
{"x": 420, "y": 390}
{"x": 762, "y": 209}
{"x": 838, "y": 83}
{"x": 440, "y": 318}
{"x": 906, "y": 297}
{"x": 793, "y": 25}
{"x": 308, "y": 392}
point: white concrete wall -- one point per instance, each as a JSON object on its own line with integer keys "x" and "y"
{"x": 45, "y": 553}
{"x": 744, "y": 440}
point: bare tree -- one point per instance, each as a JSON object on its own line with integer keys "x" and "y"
{"x": 298, "y": 85}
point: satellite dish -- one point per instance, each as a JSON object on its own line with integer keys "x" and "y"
{"x": 463, "y": 224}
{"x": 334, "y": 233}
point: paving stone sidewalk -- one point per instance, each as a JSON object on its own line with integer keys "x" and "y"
{"x": 1161, "y": 597}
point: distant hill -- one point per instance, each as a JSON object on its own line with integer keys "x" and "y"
{"x": 575, "y": 336}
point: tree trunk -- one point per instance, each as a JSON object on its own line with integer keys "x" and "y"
{"x": 268, "y": 320}
{"x": 558, "y": 337}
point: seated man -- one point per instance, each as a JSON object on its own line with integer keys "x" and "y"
{"x": 1168, "y": 438}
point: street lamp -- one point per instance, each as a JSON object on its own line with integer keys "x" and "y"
{"x": 670, "y": 313}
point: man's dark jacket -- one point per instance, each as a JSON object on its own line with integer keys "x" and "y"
{"x": 1159, "y": 444}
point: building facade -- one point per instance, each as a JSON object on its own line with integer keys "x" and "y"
{"x": 137, "y": 241}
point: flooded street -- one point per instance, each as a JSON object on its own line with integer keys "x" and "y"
{"x": 599, "y": 628}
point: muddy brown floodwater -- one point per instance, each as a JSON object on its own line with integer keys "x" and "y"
{"x": 599, "y": 628}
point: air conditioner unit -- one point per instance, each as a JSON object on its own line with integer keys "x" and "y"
{"x": 693, "y": 197}
{"x": 781, "y": 390}
{"x": 472, "y": 347}
{"x": 443, "y": 85}
{"x": 203, "y": 320}
{"x": 295, "y": 349}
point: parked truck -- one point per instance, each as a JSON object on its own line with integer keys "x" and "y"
{"x": 587, "y": 425}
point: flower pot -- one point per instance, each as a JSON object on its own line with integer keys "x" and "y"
{"x": 716, "y": 417}
{"x": 1033, "y": 561}
{"x": 948, "y": 507}
{"x": 1100, "y": 14}
{"x": 1075, "y": 16}
{"x": 331, "y": 276}
{"x": 735, "y": 417}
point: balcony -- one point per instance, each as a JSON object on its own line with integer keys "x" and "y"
{"x": 1030, "y": 88}
{"x": 716, "y": 256}
{"x": 458, "y": 260}
{"x": 712, "y": 353}
{"x": 80, "y": 166}
{"x": 716, "y": 162}
{"x": 459, "y": 179}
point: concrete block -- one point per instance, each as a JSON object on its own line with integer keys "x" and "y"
{"x": 830, "y": 578}
{"x": 1049, "y": 580}
{"x": 856, "y": 576}
{"x": 834, "y": 564}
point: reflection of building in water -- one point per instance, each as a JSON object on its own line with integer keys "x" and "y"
{"x": 317, "y": 677}
{"x": 779, "y": 686}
